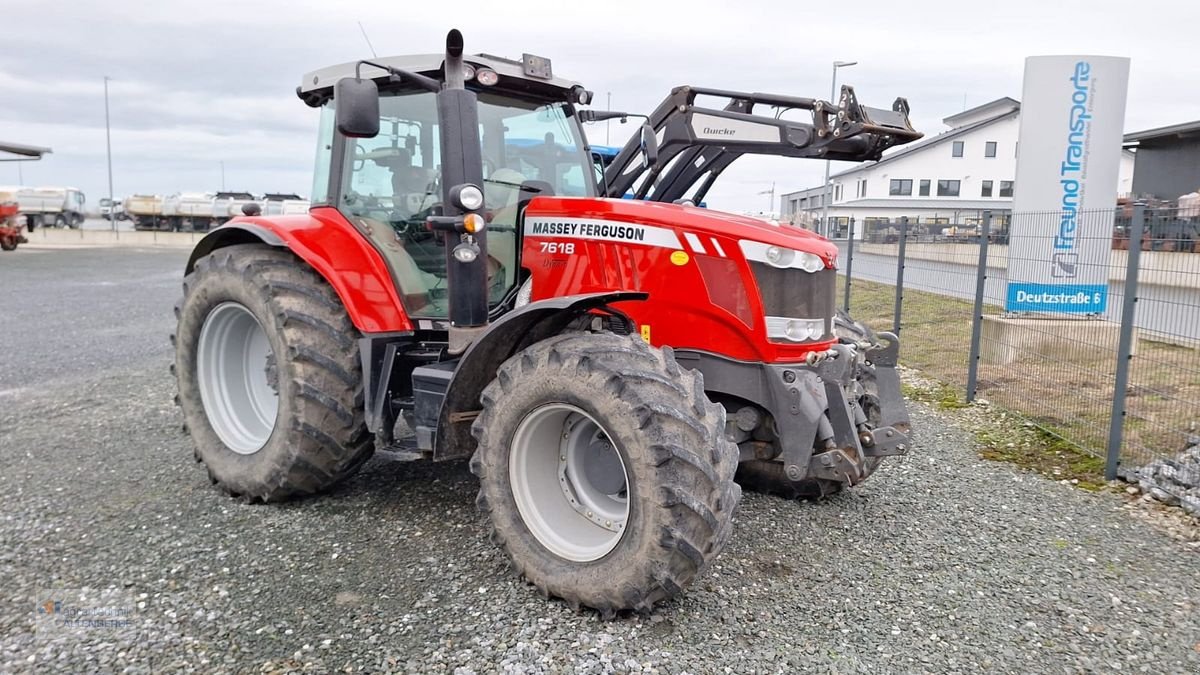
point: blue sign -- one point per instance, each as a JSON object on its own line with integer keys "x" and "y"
{"x": 1061, "y": 298}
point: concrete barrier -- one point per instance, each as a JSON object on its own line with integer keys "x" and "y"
{"x": 1004, "y": 340}
{"x": 56, "y": 238}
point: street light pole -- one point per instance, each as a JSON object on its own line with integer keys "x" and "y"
{"x": 112, "y": 205}
{"x": 828, "y": 187}
{"x": 608, "y": 123}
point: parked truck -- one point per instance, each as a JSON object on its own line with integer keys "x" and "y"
{"x": 49, "y": 206}
{"x": 284, "y": 204}
{"x": 194, "y": 211}
{"x": 112, "y": 209}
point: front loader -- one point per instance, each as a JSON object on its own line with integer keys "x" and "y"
{"x": 461, "y": 289}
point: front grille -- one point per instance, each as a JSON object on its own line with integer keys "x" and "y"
{"x": 796, "y": 294}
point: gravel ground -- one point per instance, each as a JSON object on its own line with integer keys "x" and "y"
{"x": 941, "y": 563}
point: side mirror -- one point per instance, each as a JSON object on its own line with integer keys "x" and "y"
{"x": 649, "y": 143}
{"x": 357, "y": 107}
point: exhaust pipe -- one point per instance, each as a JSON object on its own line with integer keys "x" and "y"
{"x": 462, "y": 164}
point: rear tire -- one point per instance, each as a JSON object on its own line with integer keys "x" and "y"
{"x": 318, "y": 436}
{"x": 60, "y": 222}
{"x": 678, "y": 469}
{"x": 8, "y": 243}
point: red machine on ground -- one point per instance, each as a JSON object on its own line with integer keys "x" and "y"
{"x": 11, "y": 227}
{"x": 462, "y": 288}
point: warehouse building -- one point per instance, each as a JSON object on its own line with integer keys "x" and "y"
{"x": 1168, "y": 161}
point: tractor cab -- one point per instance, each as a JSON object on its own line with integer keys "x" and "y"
{"x": 390, "y": 184}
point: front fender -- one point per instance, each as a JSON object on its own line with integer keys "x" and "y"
{"x": 332, "y": 246}
{"x": 478, "y": 365}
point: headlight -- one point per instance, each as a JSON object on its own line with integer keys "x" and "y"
{"x": 809, "y": 263}
{"x": 795, "y": 330}
{"x": 781, "y": 257}
{"x": 486, "y": 76}
{"x": 465, "y": 253}
{"x": 467, "y": 197}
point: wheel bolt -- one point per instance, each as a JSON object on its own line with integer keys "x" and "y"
{"x": 789, "y": 376}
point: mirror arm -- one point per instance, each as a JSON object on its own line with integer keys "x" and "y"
{"x": 427, "y": 83}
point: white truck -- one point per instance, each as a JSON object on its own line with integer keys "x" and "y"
{"x": 195, "y": 211}
{"x": 284, "y": 204}
{"x": 49, "y": 206}
{"x": 112, "y": 209}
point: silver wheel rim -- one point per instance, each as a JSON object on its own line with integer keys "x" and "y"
{"x": 569, "y": 482}
{"x": 232, "y": 365}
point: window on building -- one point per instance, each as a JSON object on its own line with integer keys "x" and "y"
{"x": 1006, "y": 188}
{"x": 948, "y": 188}
{"x": 924, "y": 188}
{"x": 864, "y": 188}
{"x": 987, "y": 189}
{"x": 989, "y": 149}
{"x": 957, "y": 150}
{"x": 837, "y": 192}
{"x": 857, "y": 189}
{"x": 902, "y": 187}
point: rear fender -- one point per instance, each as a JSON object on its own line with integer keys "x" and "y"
{"x": 331, "y": 245}
{"x": 478, "y": 365}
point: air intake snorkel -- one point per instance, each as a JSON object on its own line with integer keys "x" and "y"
{"x": 461, "y": 222}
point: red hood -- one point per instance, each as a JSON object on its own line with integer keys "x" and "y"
{"x": 688, "y": 218}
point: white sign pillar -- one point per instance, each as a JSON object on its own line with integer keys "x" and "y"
{"x": 1068, "y": 163}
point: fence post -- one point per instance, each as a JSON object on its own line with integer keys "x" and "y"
{"x": 1116, "y": 426}
{"x": 849, "y": 262}
{"x": 900, "y": 275}
{"x": 985, "y": 231}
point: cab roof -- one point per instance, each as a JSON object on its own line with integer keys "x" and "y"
{"x": 317, "y": 86}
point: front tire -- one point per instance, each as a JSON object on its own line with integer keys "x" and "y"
{"x": 269, "y": 376}
{"x": 635, "y": 409}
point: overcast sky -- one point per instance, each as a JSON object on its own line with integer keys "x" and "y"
{"x": 198, "y": 83}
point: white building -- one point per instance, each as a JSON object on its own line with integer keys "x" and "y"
{"x": 947, "y": 180}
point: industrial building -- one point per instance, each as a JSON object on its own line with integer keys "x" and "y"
{"x": 1168, "y": 161}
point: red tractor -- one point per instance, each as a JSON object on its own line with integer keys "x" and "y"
{"x": 470, "y": 284}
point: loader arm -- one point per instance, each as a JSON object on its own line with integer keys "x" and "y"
{"x": 697, "y": 144}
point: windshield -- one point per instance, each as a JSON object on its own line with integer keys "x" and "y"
{"x": 393, "y": 182}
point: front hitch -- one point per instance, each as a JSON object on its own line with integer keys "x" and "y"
{"x": 845, "y": 439}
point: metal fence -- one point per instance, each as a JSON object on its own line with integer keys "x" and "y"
{"x": 1122, "y": 384}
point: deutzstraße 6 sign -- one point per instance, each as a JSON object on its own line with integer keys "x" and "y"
{"x": 1068, "y": 164}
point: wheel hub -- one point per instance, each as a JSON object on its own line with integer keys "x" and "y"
{"x": 584, "y": 517}
{"x": 237, "y": 374}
